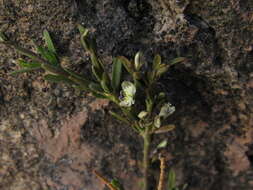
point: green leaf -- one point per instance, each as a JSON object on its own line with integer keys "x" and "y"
{"x": 162, "y": 69}
{"x": 119, "y": 117}
{"x": 58, "y": 79}
{"x": 115, "y": 183}
{"x": 3, "y": 38}
{"x": 53, "y": 69}
{"x": 95, "y": 87}
{"x": 83, "y": 83}
{"x": 31, "y": 65}
{"x": 126, "y": 63}
{"x": 151, "y": 76}
{"x": 177, "y": 60}
{"x": 165, "y": 129}
{"x": 105, "y": 83}
{"x": 97, "y": 73}
{"x": 73, "y": 74}
{"x": 49, "y": 42}
{"x": 171, "y": 180}
{"x": 84, "y": 33}
{"x": 23, "y": 71}
{"x": 161, "y": 96}
{"x": 96, "y": 61}
{"x": 77, "y": 76}
{"x": 157, "y": 62}
{"x": 116, "y": 74}
{"x": 162, "y": 144}
{"x": 136, "y": 75}
{"x": 49, "y": 56}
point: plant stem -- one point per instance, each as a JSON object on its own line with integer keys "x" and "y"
{"x": 162, "y": 174}
{"x": 25, "y": 52}
{"x": 146, "y": 160}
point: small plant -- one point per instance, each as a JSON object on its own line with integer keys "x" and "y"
{"x": 131, "y": 87}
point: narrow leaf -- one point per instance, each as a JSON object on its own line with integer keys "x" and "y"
{"x": 84, "y": 33}
{"x": 25, "y": 52}
{"x": 22, "y": 71}
{"x": 77, "y": 76}
{"x": 162, "y": 144}
{"x": 162, "y": 69}
{"x": 95, "y": 87}
{"x": 58, "y": 79}
{"x": 126, "y": 63}
{"x": 95, "y": 61}
{"x": 2, "y": 37}
{"x": 49, "y": 42}
{"x": 157, "y": 62}
{"x": 105, "y": 83}
{"x": 118, "y": 117}
{"x": 97, "y": 73}
{"x": 53, "y": 69}
{"x": 73, "y": 74}
{"x": 115, "y": 183}
{"x": 171, "y": 180}
{"x": 83, "y": 83}
{"x": 116, "y": 74}
{"x": 25, "y": 64}
{"x": 50, "y": 56}
{"x": 165, "y": 129}
{"x": 177, "y": 60}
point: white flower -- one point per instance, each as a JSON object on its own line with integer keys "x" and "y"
{"x": 128, "y": 90}
{"x": 167, "y": 110}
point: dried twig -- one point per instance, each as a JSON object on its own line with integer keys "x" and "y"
{"x": 162, "y": 174}
{"x": 104, "y": 181}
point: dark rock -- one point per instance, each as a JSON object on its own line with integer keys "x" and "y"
{"x": 51, "y": 137}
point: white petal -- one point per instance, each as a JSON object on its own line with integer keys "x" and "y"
{"x": 128, "y": 88}
{"x": 127, "y": 102}
{"x": 167, "y": 110}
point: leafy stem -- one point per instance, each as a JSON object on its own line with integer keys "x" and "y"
{"x": 107, "y": 86}
{"x": 146, "y": 160}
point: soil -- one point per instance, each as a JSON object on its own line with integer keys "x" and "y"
{"x": 53, "y": 137}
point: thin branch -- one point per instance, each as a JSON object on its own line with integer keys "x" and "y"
{"x": 162, "y": 173}
{"x": 104, "y": 181}
{"x": 25, "y": 52}
{"x": 146, "y": 159}
{"x": 35, "y": 57}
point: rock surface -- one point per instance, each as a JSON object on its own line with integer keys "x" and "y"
{"x": 52, "y": 137}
